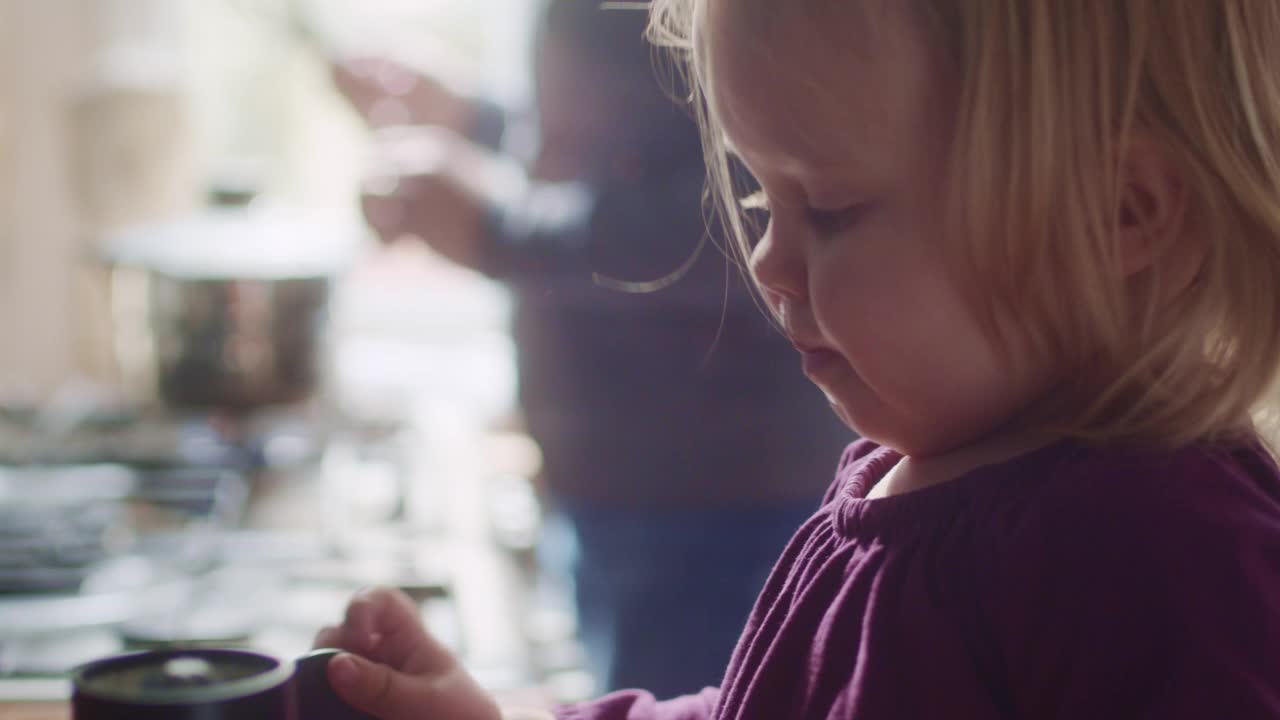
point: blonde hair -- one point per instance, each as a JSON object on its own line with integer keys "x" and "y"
{"x": 1050, "y": 93}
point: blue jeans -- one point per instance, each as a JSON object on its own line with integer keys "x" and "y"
{"x": 662, "y": 596}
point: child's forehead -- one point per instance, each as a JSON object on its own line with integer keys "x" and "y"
{"x": 810, "y": 42}
{"x": 839, "y": 24}
{"x": 793, "y": 81}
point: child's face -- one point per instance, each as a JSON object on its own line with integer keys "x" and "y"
{"x": 849, "y": 142}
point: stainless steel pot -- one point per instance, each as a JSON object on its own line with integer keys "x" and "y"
{"x": 238, "y": 344}
{"x": 228, "y": 309}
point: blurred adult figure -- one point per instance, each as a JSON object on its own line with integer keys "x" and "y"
{"x": 680, "y": 442}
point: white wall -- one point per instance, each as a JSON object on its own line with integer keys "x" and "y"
{"x": 41, "y": 56}
{"x": 111, "y": 111}
{"x": 82, "y": 147}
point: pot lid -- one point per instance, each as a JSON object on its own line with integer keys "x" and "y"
{"x": 239, "y": 243}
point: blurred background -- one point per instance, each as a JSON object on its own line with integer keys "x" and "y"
{"x": 227, "y": 403}
{"x": 224, "y": 406}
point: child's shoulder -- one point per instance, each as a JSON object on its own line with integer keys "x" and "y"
{"x": 1061, "y": 492}
{"x": 1148, "y": 521}
{"x": 1155, "y": 567}
{"x": 1156, "y": 491}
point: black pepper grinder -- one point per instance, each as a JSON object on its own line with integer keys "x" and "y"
{"x": 208, "y": 684}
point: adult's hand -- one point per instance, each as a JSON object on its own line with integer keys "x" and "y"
{"x": 432, "y": 185}
{"x": 386, "y": 93}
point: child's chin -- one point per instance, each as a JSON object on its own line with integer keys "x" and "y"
{"x": 843, "y": 414}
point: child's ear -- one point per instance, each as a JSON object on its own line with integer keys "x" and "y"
{"x": 1153, "y": 206}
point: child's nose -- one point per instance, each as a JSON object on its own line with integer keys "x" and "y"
{"x": 778, "y": 266}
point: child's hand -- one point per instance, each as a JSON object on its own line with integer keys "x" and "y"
{"x": 394, "y": 669}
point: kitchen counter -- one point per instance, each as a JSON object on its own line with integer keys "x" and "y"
{"x": 442, "y": 546}
{"x": 426, "y": 516}
{"x": 35, "y": 711}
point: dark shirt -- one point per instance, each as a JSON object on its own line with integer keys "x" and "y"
{"x": 1061, "y": 585}
{"x": 685, "y": 396}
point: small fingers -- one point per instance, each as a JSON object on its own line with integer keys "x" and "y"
{"x": 378, "y": 612}
{"x": 328, "y": 637}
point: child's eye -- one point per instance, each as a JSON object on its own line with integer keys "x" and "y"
{"x": 829, "y": 222}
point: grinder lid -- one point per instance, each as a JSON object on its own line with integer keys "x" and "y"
{"x": 180, "y": 677}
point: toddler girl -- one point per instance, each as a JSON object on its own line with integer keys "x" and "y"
{"x": 1029, "y": 249}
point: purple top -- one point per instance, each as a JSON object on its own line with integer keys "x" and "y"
{"x": 1067, "y": 583}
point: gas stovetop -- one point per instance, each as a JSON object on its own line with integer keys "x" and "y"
{"x": 138, "y": 535}
{"x": 156, "y": 438}
{"x": 75, "y": 488}
{"x": 269, "y": 591}
{"x": 59, "y": 522}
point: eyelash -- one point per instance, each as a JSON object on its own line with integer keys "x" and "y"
{"x": 755, "y": 201}
{"x": 826, "y": 222}
{"x": 830, "y": 222}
